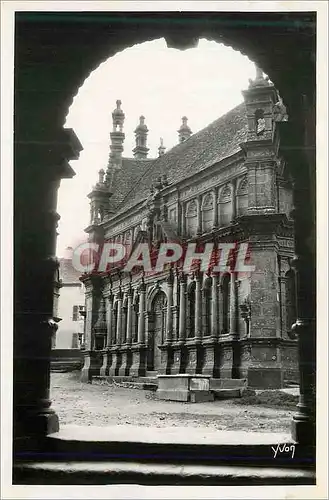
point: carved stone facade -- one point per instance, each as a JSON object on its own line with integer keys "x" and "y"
{"x": 228, "y": 324}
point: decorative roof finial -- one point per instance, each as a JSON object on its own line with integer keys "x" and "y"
{"x": 161, "y": 148}
{"x": 259, "y": 81}
{"x": 101, "y": 175}
{"x": 259, "y": 74}
{"x": 184, "y": 131}
{"x": 141, "y": 149}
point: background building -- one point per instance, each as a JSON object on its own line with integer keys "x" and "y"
{"x": 70, "y": 306}
{"x": 226, "y": 183}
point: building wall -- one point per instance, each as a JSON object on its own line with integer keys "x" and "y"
{"x": 68, "y": 329}
{"x": 238, "y": 324}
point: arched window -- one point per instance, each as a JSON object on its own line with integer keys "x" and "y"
{"x": 291, "y": 299}
{"x": 226, "y": 299}
{"x": 191, "y": 218}
{"x": 159, "y": 309}
{"x": 242, "y": 197}
{"x": 191, "y": 310}
{"x": 225, "y": 206}
{"x": 259, "y": 122}
{"x": 207, "y": 213}
{"x": 207, "y": 293}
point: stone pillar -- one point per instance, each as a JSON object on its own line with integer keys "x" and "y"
{"x": 126, "y": 348}
{"x": 169, "y": 332}
{"x": 168, "y": 344}
{"x": 107, "y": 355}
{"x": 138, "y": 367}
{"x": 194, "y": 363}
{"x": 182, "y": 309}
{"x": 260, "y": 353}
{"x": 40, "y": 163}
{"x": 210, "y": 345}
{"x": 198, "y": 307}
{"x": 179, "y": 350}
{"x": 301, "y": 160}
{"x": 118, "y": 354}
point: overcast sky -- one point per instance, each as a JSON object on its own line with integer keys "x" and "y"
{"x": 160, "y": 83}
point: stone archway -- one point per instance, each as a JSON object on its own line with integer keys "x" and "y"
{"x": 54, "y": 54}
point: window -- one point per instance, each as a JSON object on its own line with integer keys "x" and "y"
{"x": 225, "y": 206}
{"x": 259, "y": 122}
{"x": 191, "y": 218}
{"x": 242, "y": 197}
{"x": 78, "y": 313}
{"x": 207, "y": 213}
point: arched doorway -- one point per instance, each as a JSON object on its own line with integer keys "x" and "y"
{"x": 159, "y": 311}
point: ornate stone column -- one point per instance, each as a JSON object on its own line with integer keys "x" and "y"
{"x": 126, "y": 348}
{"x": 107, "y": 355}
{"x": 168, "y": 344}
{"x": 194, "y": 364}
{"x": 179, "y": 350}
{"x": 40, "y": 162}
{"x": 138, "y": 367}
{"x": 118, "y": 353}
{"x": 210, "y": 345}
{"x": 301, "y": 163}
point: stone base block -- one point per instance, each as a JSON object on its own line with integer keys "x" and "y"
{"x": 265, "y": 378}
{"x": 303, "y": 430}
{"x": 184, "y": 387}
{"x": 201, "y": 396}
{"x": 138, "y": 363}
{"x": 91, "y": 366}
{"x": 226, "y": 393}
{"x": 124, "y": 367}
{"x": 173, "y": 395}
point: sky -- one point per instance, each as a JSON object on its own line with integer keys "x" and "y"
{"x": 151, "y": 80}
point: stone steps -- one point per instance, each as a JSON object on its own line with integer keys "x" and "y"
{"x": 104, "y": 472}
{"x": 146, "y": 455}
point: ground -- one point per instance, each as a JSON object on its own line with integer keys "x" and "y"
{"x": 101, "y": 404}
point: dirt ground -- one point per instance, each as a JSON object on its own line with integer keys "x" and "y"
{"x": 101, "y": 404}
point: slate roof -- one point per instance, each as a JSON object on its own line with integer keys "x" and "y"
{"x": 219, "y": 140}
{"x": 126, "y": 178}
{"x": 67, "y": 273}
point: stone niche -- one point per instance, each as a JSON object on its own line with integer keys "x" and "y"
{"x": 184, "y": 387}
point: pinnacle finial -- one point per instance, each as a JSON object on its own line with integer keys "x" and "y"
{"x": 161, "y": 148}
{"x": 101, "y": 175}
{"x": 259, "y": 73}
